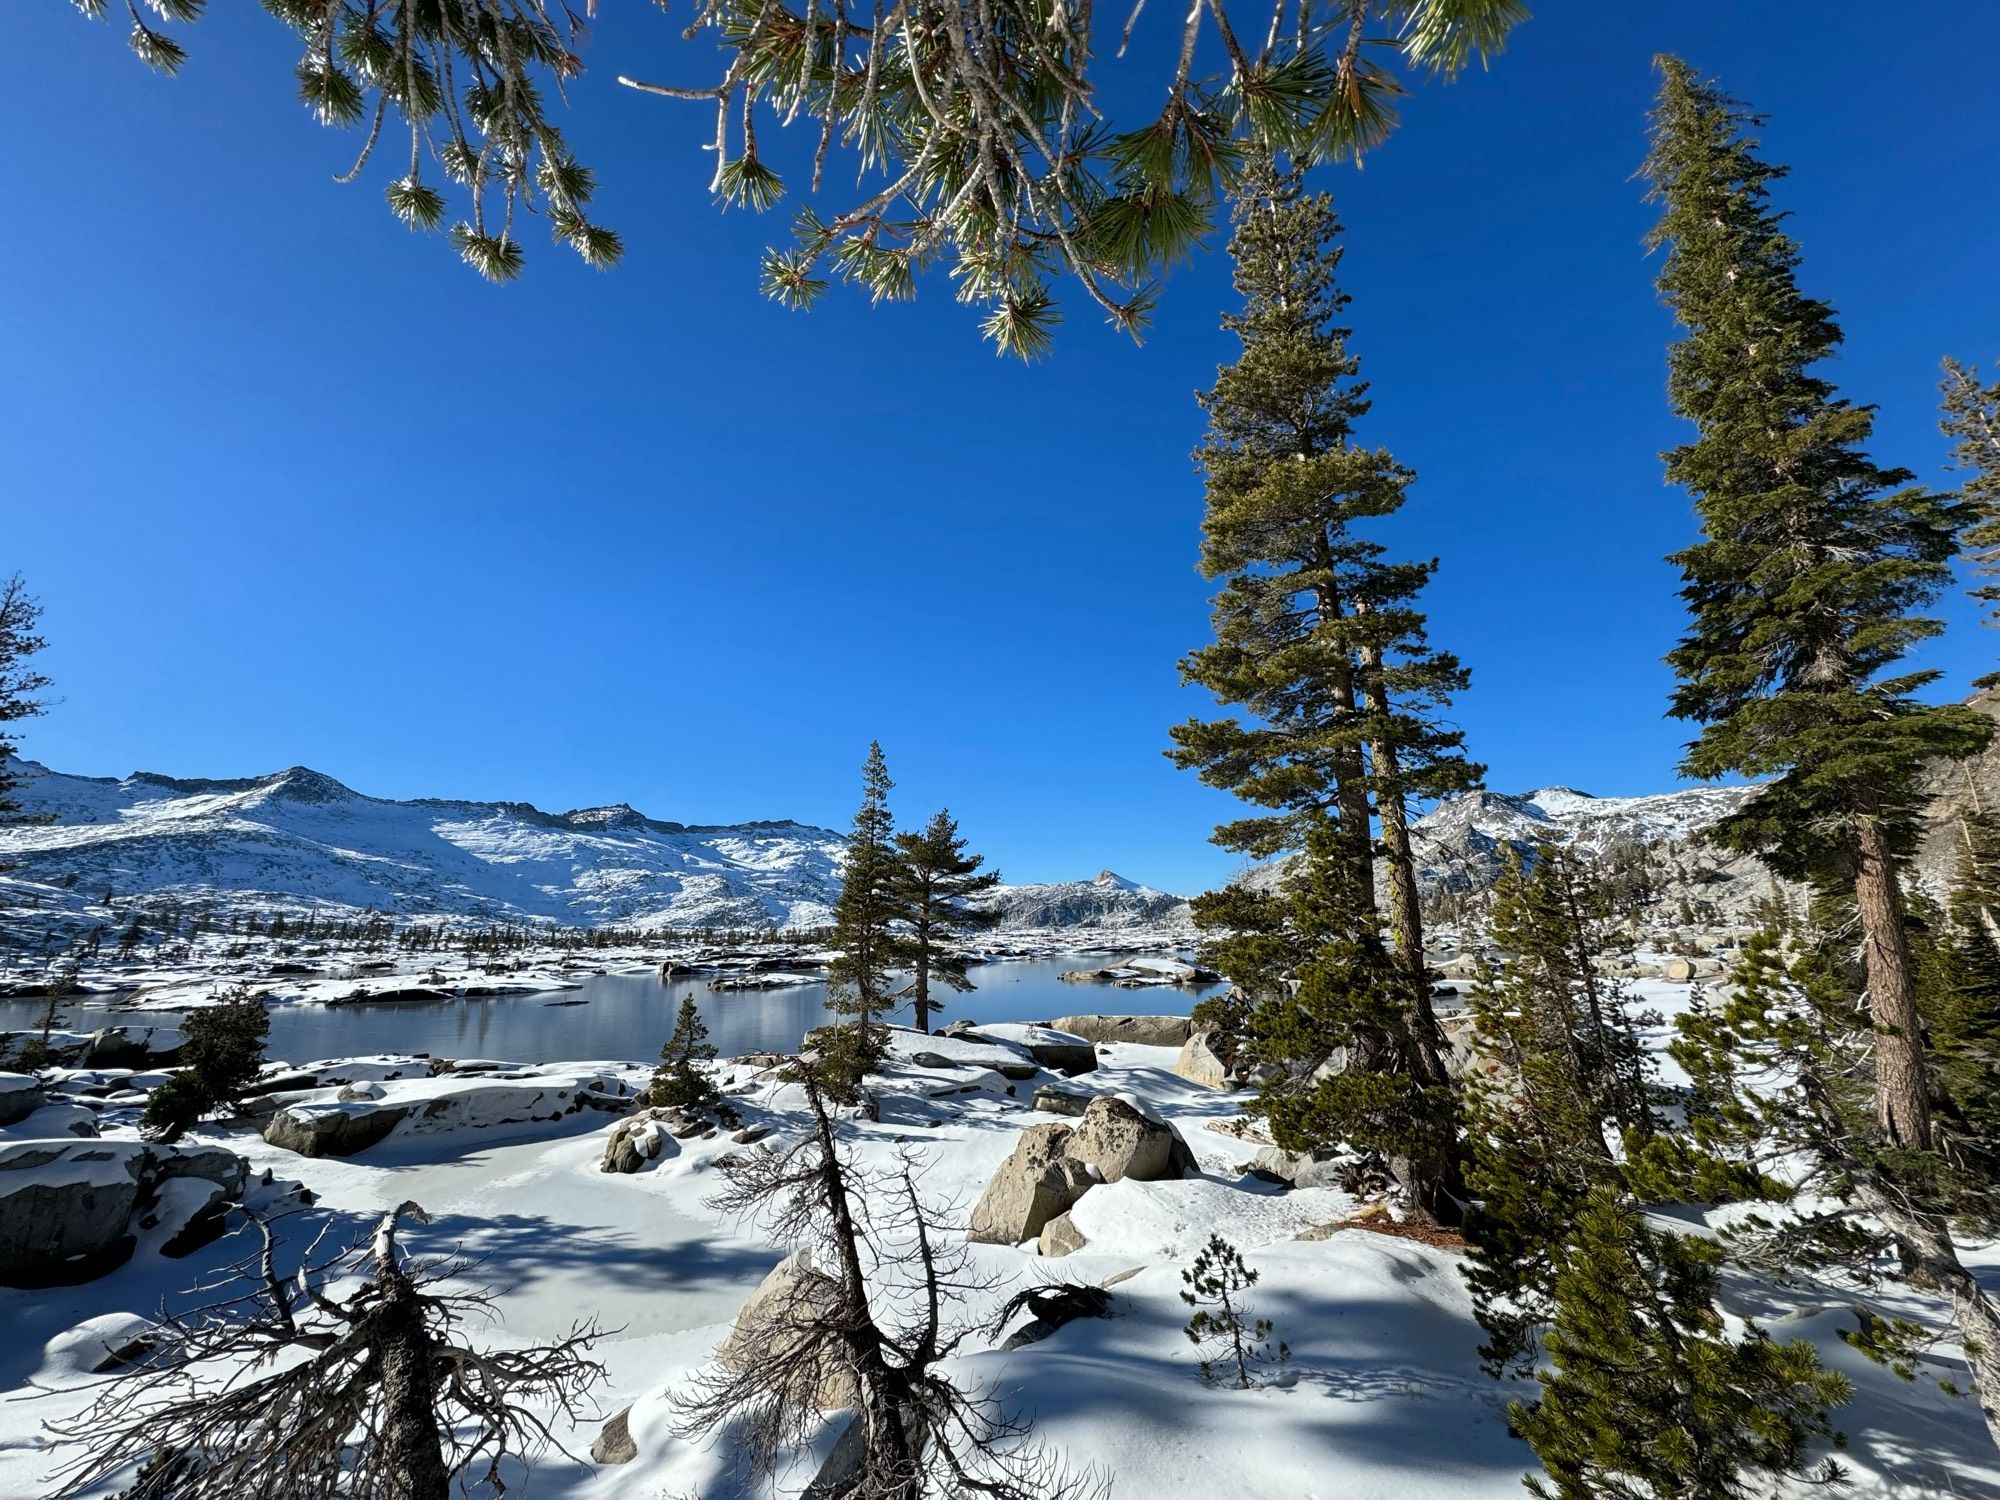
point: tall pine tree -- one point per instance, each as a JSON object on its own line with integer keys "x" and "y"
{"x": 21, "y": 685}
{"x": 1319, "y": 640}
{"x": 1972, "y": 421}
{"x": 1813, "y": 565}
{"x": 867, "y": 946}
{"x": 935, "y": 879}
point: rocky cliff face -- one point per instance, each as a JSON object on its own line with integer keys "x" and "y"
{"x": 1460, "y": 844}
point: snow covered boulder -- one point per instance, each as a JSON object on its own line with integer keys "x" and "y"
{"x": 1037, "y": 1181}
{"x": 65, "y": 1117}
{"x": 64, "y": 1206}
{"x": 1144, "y": 1031}
{"x": 1201, "y": 1061}
{"x": 313, "y": 1130}
{"x": 70, "y": 1210}
{"x": 1058, "y": 1051}
{"x": 1117, "y": 1139}
{"x": 1051, "y": 1100}
{"x": 640, "y": 1140}
{"x": 131, "y": 1047}
{"x": 1060, "y": 1236}
{"x": 793, "y": 1296}
{"x": 20, "y": 1096}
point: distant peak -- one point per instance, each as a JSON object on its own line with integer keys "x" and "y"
{"x": 1113, "y": 878}
{"x": 304, "y": 784}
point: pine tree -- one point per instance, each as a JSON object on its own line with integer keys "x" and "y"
{"x": 1960, "y": 1005}
{"x": 1972, "y": 421}
{"x": 1649, "y": 1397}
{"x": 1329, "y": 1019}
{"x": 1814, "y": 562}
{"x": 20, "y": 686}
{"x": 1001, "y": 152}
{"x": 868, "y": 947}
{"x": 1779, "y": 1073}
{"x": 1230, "y": 1339}
{"x": 220, "y": 1055}
{"x": 935, "y": 880}
{"x": 1570, "y": 1077}
{"x": 680, "y": 1081}
{"x": 1317, "y": 634}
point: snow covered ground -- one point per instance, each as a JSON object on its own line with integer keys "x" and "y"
{"x": 1383, "y": 1398}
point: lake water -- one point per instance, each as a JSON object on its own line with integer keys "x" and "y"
{"x": 628, "y": 1015}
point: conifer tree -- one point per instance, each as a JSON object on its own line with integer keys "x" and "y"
{"x": 866, "y": 943}
{"x": 1329, "y": 1017}
{"x": 935, "y": 880}
{"x": 680, "y": 1081}
{"x": 223, "y": 1049}
{"x": 1783, "y": 1113}
{"x": 1813, "y": 565}
{"x": 1230, "y": 1339}
{"x": 1972, "y": 421}
{"x": 1318, "y": 637}
{"x": 1649, "y": 1397}
{"x": 1960, "y": 1005}
{"x": 1570, "y": 1092}
{"x": 21, "y": 685}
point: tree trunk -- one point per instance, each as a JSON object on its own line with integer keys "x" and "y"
{"x": 920, "y": 982}
{"x": 1350, "y": 773}
{"x": 1925, "y": 1247}
{"x": 415, "y": 1459}
{"x": 1902, "y": 1083}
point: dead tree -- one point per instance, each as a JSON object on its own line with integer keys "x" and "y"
{"x": 867, "y": 1321}
{"x": 388, "y": 1402}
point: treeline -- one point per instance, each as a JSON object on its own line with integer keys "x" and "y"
{"x": 1842, "y": 1085}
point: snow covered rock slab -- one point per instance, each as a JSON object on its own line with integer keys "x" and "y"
{"x": 20, "y": 1096}
{"x": 1058, "y": 1051}
{"x": 939, "y": 1051}
{"x": 1145, "y": 1031}
{"x": 336, "y": 1126}
{"x": 68, "y": 1207}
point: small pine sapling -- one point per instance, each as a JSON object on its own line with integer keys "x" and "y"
{"x": 1221, "y": 1327}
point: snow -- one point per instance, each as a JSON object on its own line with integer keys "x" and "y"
{"x": 299, "y": 840}
{"x": 1382, "y": 1397}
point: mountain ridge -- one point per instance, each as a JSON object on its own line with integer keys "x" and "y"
{"x": 300, "y": 836}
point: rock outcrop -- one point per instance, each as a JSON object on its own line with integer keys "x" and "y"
{"x": 70, "y": 1210}
{"x": 1145, "y": 1031}
{"x": 640, "y": 1140}
{"x": 1054, "y": 1165}
{"x": 793, "y": 1296}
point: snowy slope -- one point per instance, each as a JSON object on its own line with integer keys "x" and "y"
{"x": 300, "y": 838}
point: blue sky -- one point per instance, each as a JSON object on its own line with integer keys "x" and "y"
{"x": 296, "y": 487}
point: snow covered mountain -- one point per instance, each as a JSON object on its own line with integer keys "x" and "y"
{"x": 1109, "y": 903}
{"x": 1459, "y": 842}
{"x": 301, "y": 839}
